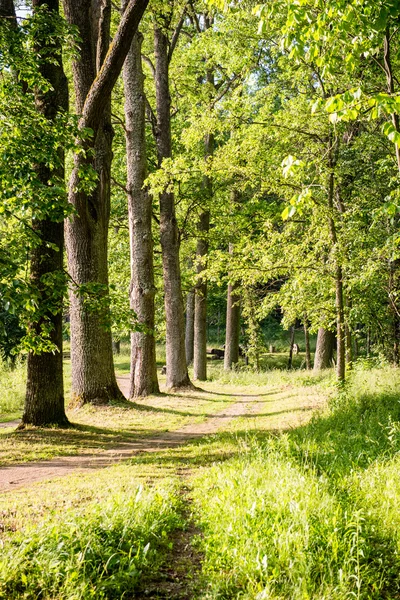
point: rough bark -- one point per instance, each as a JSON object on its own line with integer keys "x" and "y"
{"x": 324, "y": 350}
{"x": 232, "y": 324}
{"x": 93, "y": 377}
{"x": 189, "y": 335}
{"x": 44, "y": 399}
{"x": 177, "y": 373}
{"x": 143, "y": 376}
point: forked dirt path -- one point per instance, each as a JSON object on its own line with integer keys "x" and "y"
{"x": 17, "y": 476}
{"x": 252, "y": 406}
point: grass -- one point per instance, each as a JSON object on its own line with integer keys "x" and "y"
{"x": 286, "y": 507}
{"x": 311, "y": 513}
{"x": 100, "y": 551}
{"x": 12, "y": 390}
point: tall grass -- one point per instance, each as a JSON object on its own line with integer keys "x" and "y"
{"x": 100, "y": 552}
{"x": 313, "y": 513}
{"x": 12, "y": 389}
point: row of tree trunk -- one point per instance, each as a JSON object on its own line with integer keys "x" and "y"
{"x": 95, "y": 73}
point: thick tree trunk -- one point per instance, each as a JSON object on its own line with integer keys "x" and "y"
{"x": 200, "y": 312}
{"x": 189, "y": 335}
{"x": 177, "y": 373}
{"x": 324, "y": 350}
{"x": 93, "y": 376}
{"x": 307, "y": 344}
{"x": 232, "y": 324}
{"x": 44, "y": 400}
{"x": 143, "y": 377}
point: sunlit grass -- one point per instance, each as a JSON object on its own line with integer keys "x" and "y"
{"x": 12, "y": 390}
{"x": 98, "y": 550}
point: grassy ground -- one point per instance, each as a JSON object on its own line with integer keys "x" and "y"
{"x": 276, "y": 506}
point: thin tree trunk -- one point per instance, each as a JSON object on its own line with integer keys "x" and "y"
{"x": 290, "y": 361}
{"x": 44, "y": 400}
{"x": 93, "y": 376}
{"x": 189, "y": 335}
{"x": 324, "y": 350}
{"x": 203, "y": 226}
{"x": 200, "y": 312}
{"x": 177, "y": 373}
{"x": 340, "y": 359}
{"x": 232, "y": 324}
{"x": 307, "y": 344}
{"x": 143, "y": 375}
{"x": 349, "y": 338}
{"x": 394, "y": 265}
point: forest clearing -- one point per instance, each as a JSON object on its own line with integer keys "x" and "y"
{"x": 199, "y": 299}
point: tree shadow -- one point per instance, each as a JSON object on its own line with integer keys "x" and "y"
{"x": 352, "y": 436}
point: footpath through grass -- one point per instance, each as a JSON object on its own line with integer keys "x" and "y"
{"x": 308, "y": 511}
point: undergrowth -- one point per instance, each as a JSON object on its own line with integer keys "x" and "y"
{"x": 102, "y": 551}
{"x": 12, "y": 390}
{"x": 313, "y": 513}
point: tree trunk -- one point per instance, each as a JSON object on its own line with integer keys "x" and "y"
{"x": 189, "y": 336}
{"x": 44, "y": 400}
{"x": 307, "y": 344}
{"x": 200, "y": 312}
{"x": 349, "y": 338}
{"x": 290, "y": 361}
{"x": 93, "y": 377}
{"x": 340, "y": 359}
{"x": 324, "y": 350}
{"x": 143, "y": 377}
{"x": 116, "y": 345}
{"x": 177, "y": 373}
{"x": 232, "y": 324}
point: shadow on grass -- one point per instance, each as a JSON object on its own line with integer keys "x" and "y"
{"x": 352, "y": 436}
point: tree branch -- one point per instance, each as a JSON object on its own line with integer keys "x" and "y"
{"x": 175, "y": 36}
{"x": 149, "y": 63}
{"x": 102, "y": 86}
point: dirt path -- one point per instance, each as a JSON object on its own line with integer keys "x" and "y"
{"x": 17, "y": 476}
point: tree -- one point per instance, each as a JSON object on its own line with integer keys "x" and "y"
{"x": 44, "y": 400}
{"x": 142, "y": 290}
{"x": 95, "y": 74}
{"x": 177, "y": 373}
